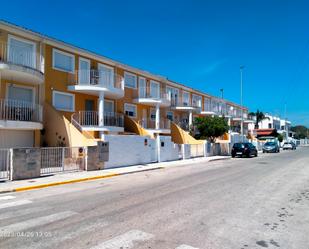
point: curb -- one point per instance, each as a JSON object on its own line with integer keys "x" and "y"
{"x": 46, "y": 185}
{"x": 219, "y": 159}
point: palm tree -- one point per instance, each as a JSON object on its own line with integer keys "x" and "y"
{"x": 260, "y": 116}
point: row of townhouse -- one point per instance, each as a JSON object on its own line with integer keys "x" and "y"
{"x": 283, "y": 126}
{"x": 56, "y": 94}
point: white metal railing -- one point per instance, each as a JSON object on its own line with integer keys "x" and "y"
{"x": 152, "y": 93}
{"x": 91, "y": 118}
{"x": 183, "y": 102}
{"x": 149, "y": 123}
{"x": 5, "y": 163}
{"x": 18, "y": 55}
{"x": 62, "y": 159}
{"x": 183, "y": 124}
{"x": 97, "y": 78}
{"x": 17, "y": 110}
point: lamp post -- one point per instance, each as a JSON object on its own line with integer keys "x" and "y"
{"x": 222, "y": 93}
{"x": 241, "y": 68}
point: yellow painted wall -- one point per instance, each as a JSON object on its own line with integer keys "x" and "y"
{"x": 179, "y": 136}
{"x": 60, "y": 132}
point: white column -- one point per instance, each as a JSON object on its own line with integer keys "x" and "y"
{"x": 157, "y": 117}
{"x": 190, "y": 119}
{"x": 101, "y": 108}
{"x": 229, "y": 124}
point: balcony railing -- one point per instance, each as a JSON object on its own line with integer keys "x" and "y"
{"x": 182, "y": 102}
{"x": 17, "y": 55}
{"x": 91, "y": 118}
{"x": 149, "y": 123}
{"x": 95, "y": 77}
{"x": 16, "y": 110}
{"x": 150, "y": 93}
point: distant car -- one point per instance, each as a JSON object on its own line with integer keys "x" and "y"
{"x": 271, "y": 147}
{"x": 244, "y": 149}
{"x": 289, "y": 146}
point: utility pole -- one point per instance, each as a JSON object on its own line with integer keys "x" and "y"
{"x": 286, "y": 126}
{"x": 241, "y": 103}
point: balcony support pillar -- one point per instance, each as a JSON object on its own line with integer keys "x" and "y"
{"x": 229, "y": 124}
{"x": 101, "y": 109}
{"x": 190, "y": 119}
{"x": 157, "y": 117}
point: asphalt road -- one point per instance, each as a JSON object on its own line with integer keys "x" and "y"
{"x": 238, "y": 203}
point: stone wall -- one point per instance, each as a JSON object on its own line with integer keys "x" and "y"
{"x": 26, "y": 163}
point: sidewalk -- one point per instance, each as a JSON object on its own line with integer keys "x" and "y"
{"x": 80, "y": 176}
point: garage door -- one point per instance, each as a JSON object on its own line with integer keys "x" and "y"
{"x": 14, "y": 138}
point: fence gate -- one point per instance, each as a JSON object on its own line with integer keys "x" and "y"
{"x": 62, "y": 159}
{"x": 5, "y": 161}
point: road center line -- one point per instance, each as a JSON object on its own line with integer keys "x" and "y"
{"x": 20, "y": 226}
{"x": 125, "y": 240}
{"x": 15, "y": 203}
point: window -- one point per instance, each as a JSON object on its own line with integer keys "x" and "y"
{"x": 142, "y": 87}
{"x": 24, "y": 94}
{"x": 197, "y": 101}
{"x": 63, "y": 61}
{"x": 154, "y": 89}
{"x": 185, "y": 98}
{"x": 130, "y": 80}
{"x": 106, "y": 75}
{"x": 63, "y": 101}
{"x": 153, "y": 114}
{"x": 269, "y": 126}
{"x": 84, "y": 71}
{"x": 108, "y": 106}
{"x": 172, "y": 94}
{"x": 21, "y": 52}
{"x": 207, "y": 104}
{"x": 170, "y": 116}
{"x": 130, "y": 110}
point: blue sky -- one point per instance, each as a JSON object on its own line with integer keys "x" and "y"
{"x": 198, "y": 43}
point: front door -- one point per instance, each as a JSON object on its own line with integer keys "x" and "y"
{"x": 90, "y": 116}
{"x": 144, "y": 120}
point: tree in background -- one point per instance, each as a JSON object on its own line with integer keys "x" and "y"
{"x": 260, "y": 116}
{"x": 210, "y": 128}
{"x": 280, "y": 137}
{"x": 301, "y": 131}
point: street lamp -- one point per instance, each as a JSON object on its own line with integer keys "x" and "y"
{"x": 222, "y": 92}
{"x": 241, "y": 68}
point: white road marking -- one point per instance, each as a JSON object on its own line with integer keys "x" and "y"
{"x": 125, "y": 240}
{"x": 15, "y": 203}
{"x": 185, "y": 247}
{"x": 68, "y": 234}
{"x": 22, "y": 212}
{"x": 40, "y": 221}
{"x": 7, "y": 197}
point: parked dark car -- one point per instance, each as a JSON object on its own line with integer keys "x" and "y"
{"x": 271, "y": 147}
{"x": 289, "y": 146}
{"x": 244, "y": 149}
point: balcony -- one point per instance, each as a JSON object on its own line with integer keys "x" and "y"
{"x": 94, "y": 81}
{"x": 18, "y": 64}
{"x": 152, "y": 97}
{"x": 89, "y": 121}
{"x": 150, "y": 125}
{"x": 16, "y": 114}
{"x": 185, "y": 104}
